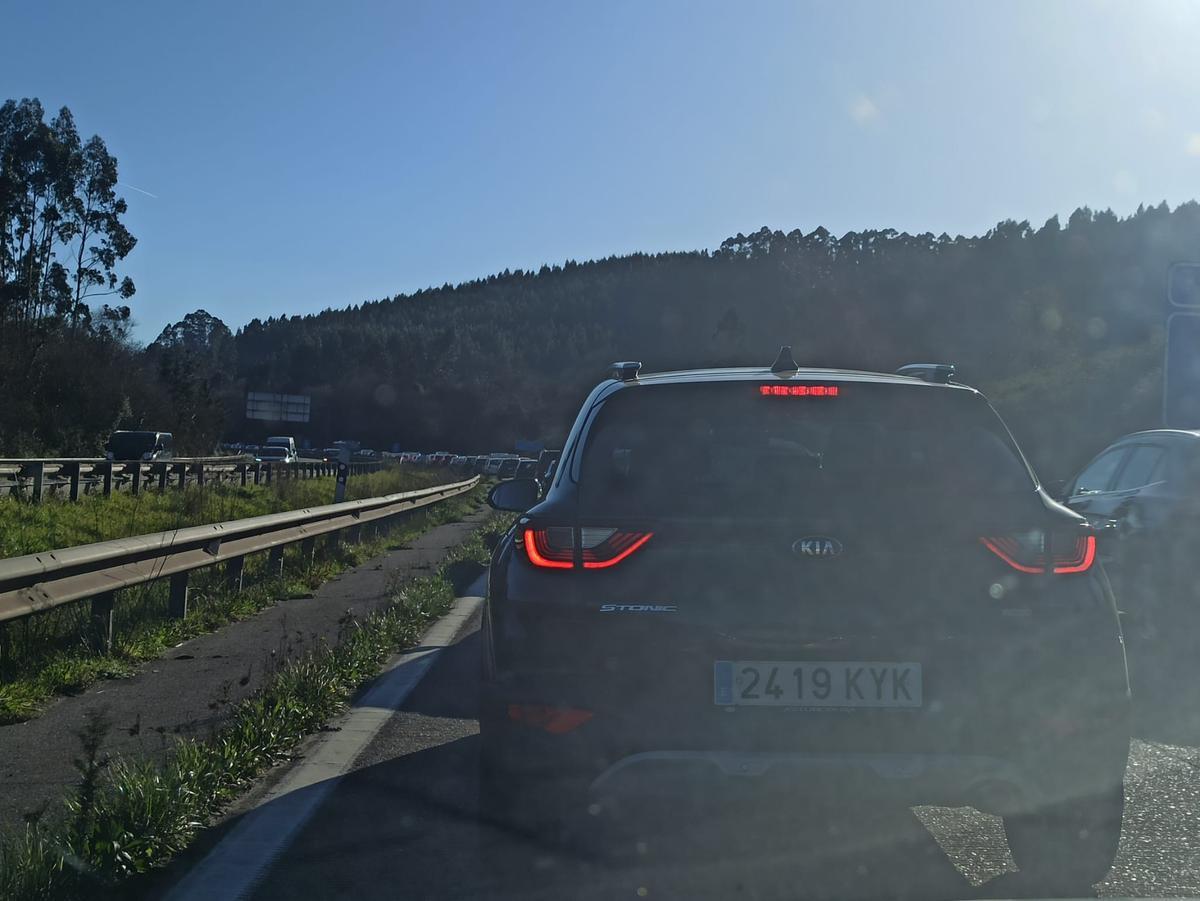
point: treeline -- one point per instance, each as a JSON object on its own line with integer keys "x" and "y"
{"x": 69, "y": 371}
{"x": 1062, "y": 324}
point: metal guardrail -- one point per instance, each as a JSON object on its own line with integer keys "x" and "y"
{"x": 34, "y": 583}
{"x": 35, "y": 478}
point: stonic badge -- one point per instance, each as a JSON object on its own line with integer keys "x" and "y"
{"x": 816, "y": 546}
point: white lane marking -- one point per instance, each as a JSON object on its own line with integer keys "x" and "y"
{"x": 250, "y": 849}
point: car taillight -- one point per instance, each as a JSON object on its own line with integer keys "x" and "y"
{"x": 553, "y": 547}
{"x": 1027, "y": 552}
{"x": 603, "y": 548}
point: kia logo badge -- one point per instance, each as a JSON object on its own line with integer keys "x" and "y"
{"x": 816, "y": 546}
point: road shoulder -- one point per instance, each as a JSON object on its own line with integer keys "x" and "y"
{"x": 262, "y": 826}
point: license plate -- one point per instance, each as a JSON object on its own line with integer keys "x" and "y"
{"x": 782, "y": 683}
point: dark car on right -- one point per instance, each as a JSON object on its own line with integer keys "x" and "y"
{"x": 1142, "y": 495}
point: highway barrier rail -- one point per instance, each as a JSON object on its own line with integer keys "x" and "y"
{"x": 36, "y": 478}
{"x": 36, "y": 583}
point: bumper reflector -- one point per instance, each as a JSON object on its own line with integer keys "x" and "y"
{"x": 555, "y": 720}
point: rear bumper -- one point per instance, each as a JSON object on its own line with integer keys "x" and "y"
{"x": 984, "y": 782}
{"x": 614, "y": 757}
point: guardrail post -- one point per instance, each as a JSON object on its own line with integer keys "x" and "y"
{"x": 233, "y": 573}
{"x": 275, "y": 562}
{"x": 72, "y": 470}
{"x": 39, "y": 480}
{"x": 198, "y": 468}
{"x": 354, "y": 534}
{"x": 161, "y": 470}
{"x": 101, "y": 638}
{"x": 135, "y": 487}
{"x": 268, "y": 467}
{"x": 181, "y": 474}
{"x": 257, "y": 472}
{"x": 178, "y": 601}
{"x": 242, "y": 472}
{"x": 106, "y": 470}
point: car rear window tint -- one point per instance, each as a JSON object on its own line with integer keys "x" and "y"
{"x": 723, "y": 448}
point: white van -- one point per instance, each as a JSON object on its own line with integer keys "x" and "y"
{"x": 284, "y": 441}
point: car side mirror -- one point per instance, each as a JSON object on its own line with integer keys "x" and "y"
{"x": 515, "y": 495}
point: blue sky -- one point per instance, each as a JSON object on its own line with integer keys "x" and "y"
{"x": 304, "y": 155}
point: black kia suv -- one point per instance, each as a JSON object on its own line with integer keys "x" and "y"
{"x": 771, "y": 581}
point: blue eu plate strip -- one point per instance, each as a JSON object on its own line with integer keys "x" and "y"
{"x": 723, "y": 682}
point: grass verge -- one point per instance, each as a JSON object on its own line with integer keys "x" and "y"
{"x": 127, "y": 816}
{"x": 27, "y": 528}
{"x": 48, "y": 656}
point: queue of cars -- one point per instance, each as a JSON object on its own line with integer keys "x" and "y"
{"x": 498, "y": 465}
{"x": 777, "y": 583}
{"x": 283, "y": 449}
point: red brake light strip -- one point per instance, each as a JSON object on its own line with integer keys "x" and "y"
{"x": 1085, "y": 556}
{"x": 1081, "y": 559}
{"x": 1005, "y": 549}
{"x": 799, "y": 390}
{"x": 623, "y": 544}
{"x": 609, "y": 552}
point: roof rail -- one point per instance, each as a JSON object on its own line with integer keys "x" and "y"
{"x": 626, "y": 370}
{"x": 784, "y": 361}
{"x": 939, "y": 373}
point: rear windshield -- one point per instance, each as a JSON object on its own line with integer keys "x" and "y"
{"x": 725, "y": 449}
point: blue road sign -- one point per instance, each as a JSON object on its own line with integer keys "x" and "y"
{"x": 1181, "y": 365}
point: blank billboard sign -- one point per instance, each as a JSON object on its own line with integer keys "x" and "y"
{"x": 277, "y": 407}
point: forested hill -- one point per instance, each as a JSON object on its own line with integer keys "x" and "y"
{"x": 1061, "y": 325}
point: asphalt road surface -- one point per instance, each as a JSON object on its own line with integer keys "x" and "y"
{"x": 403, "y": 824}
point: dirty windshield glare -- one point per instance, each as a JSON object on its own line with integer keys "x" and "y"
{"x": 601, "y": 450}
